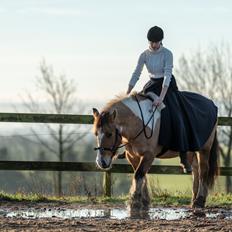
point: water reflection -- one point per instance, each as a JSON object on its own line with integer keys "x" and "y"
{"x": 119, "y": 213}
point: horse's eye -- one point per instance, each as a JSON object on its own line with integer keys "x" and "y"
{"x": 108, "y": 135}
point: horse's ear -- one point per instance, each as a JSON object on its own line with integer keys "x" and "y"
{"x": 113, "y": 115}
{"x": 95, "y": 113}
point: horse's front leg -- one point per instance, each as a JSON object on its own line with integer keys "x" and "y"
{"x": 140, "y": 199}
{"x": 132, "y": 158}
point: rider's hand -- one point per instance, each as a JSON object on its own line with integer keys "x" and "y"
{"x": 157, "y": 102}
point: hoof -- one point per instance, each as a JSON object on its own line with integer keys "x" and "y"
{"x": 199, "y": 212}
{"x": 138, "y": 205}
{"x": 139, "y": 214}
{"x": 139, "y": 202}
{"x": 198, "y": 203}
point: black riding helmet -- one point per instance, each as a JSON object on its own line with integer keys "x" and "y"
{"x": 155, "y": 34}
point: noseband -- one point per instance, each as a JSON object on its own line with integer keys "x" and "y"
{"x": 112, "y": 149}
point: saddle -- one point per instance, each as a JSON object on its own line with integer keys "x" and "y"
{"x": 149, "y": 95}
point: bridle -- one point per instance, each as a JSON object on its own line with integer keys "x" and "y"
{"x": 114, "y": 148}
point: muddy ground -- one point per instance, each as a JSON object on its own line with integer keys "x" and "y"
{"x": 192, "y": 223}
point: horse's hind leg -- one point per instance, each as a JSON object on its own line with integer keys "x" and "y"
{"x": 203, "y": 158}
{"x": 195, "y": 174}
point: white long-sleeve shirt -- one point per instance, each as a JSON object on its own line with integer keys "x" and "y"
{"x": 159, "y": 63}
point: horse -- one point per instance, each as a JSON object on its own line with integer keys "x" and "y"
{"x": 129, "y": 121}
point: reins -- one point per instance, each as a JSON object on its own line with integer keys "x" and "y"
{"x": 144, "y": 125}
{"x": 113, "y": 149}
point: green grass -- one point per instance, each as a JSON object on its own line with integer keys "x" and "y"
{"x": 33, "y": 197}
{"x": 22, "y": 197}
{"x": 220, "y": 199}
{"x": 160, "y": 199}
{"x": 214, "y": 200}
{"x": 171, "y": 200}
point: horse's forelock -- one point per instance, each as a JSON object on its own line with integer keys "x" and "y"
{"x": 104, "y": 116}
{"x": 102, "y": 120}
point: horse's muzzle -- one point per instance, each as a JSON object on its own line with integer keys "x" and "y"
{"x": 103, "y": 163}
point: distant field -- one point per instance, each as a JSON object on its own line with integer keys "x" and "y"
{"x": 182, "y": 183}
{"x": 170, "y": 183}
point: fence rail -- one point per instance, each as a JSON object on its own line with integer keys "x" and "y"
{"x": 46, "y": 118}
{"x": 83, "y": 167}
{"x": 69, "y": 118}
{"x": 91, "y": 167}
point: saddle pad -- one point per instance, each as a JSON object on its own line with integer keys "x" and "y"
{"x": 147, "y": 109}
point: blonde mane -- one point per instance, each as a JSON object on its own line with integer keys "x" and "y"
{"x": 108, "y": 107}
{"x": 114, "y": 101}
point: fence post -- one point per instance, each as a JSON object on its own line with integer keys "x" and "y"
{"x": 107, "y": 184}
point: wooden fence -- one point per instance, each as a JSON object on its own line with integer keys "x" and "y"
{"x": 78, "y": 166}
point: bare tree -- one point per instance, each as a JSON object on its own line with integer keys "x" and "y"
{"x": 60, "y": 97}
{"x": 210, "y": 73}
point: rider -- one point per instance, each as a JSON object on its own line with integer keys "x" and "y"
{"x": 159, "y": 63}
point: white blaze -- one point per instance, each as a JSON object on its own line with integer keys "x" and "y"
{"x": 99, "y": 157}
{"x": 99, "y": 139}
{"x": 100, "y": 135}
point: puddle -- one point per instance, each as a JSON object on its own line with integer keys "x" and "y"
{"x": 153, "y": 213}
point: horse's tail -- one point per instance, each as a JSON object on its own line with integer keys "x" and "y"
{"x": 213, "y": 162}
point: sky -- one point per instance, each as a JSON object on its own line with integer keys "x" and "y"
{"x": 97, "y": 43}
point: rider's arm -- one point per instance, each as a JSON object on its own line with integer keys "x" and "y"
{"x": 130, "y": 87}
{"x": 163, "y": 92}
{"x": 168, "y": 65}
{"x": 167, "y": 77}
{"x": 136, "y": 74}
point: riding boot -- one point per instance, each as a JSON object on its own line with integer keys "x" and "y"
{"x": 184, "y": 163}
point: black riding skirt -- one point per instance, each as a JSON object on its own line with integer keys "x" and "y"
{"x": 187, "y": 120}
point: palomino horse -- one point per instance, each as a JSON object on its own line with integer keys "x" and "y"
{"x": 120, "y": 122}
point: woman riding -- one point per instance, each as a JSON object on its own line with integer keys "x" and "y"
{"x": 181, "y": 120}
